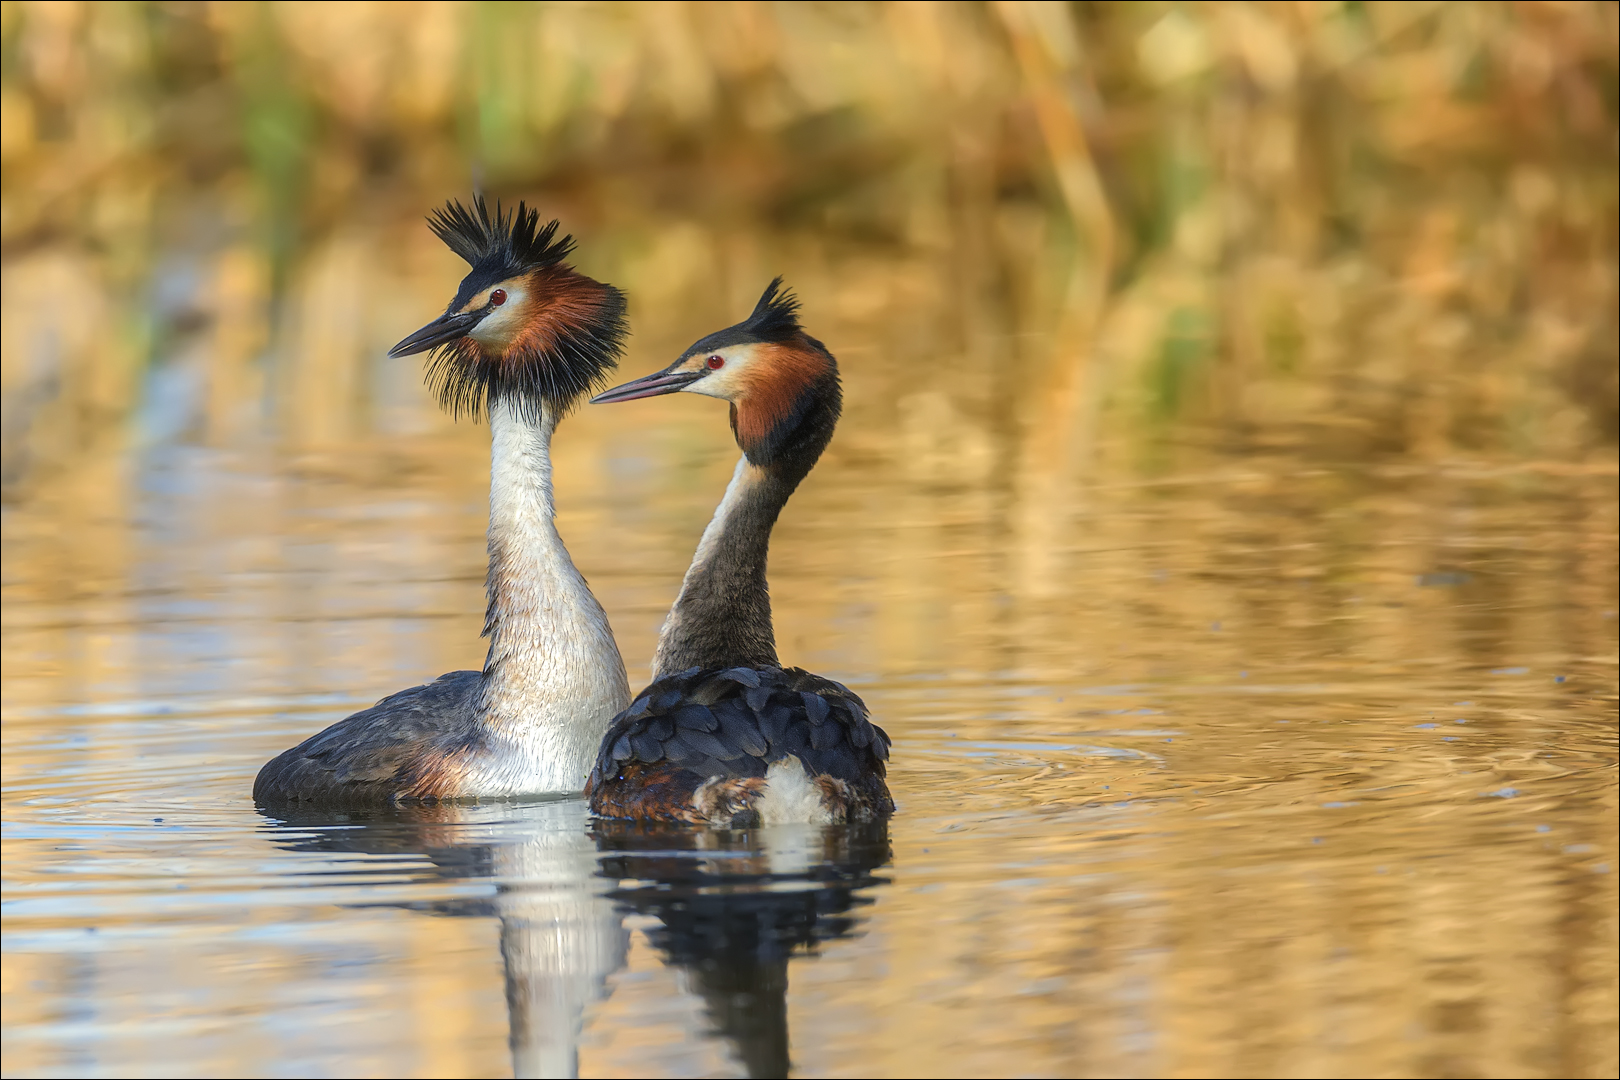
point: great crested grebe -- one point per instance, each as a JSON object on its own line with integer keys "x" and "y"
{"x": 725, "y": 735}
{"x": 524, "y": 339}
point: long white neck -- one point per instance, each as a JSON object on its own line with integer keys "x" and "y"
{"x": 553, "y": 679}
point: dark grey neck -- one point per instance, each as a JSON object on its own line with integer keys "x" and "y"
{"x": 723, "y": 615}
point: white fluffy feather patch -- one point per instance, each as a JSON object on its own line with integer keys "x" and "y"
{"x": 790, "y": 796}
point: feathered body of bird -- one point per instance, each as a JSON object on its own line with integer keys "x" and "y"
{"x": 524, "y": 339}
{"x": 725, "y": 734}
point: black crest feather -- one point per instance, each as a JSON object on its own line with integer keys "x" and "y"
{"x": 776, "y": 316}
{"x": 513, "y": 241}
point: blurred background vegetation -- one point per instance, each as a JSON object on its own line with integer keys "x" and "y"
{"x": 1043, "y": 229}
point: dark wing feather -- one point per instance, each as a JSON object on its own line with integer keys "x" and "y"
{"x": 756, "y": 697}
{"x": 735, "y": 722}
{"x": 825, "y": 736}
{"x": 646, "y": 747}
{"x": 746, "y": 676}
{"x": 691, "y": 744}
{"x": 739, "y": 727}
{"x": 815, "y": 707}
{"x": 693, "y": 717}
{"x": 378, "y": 753}
{"x": 712, "y": 691}
{"x": 776, "y": 720}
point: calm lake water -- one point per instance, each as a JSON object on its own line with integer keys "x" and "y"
{"x": 1208, "y": 763}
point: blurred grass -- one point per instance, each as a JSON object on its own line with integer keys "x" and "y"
{"x": 1358, "y": 229}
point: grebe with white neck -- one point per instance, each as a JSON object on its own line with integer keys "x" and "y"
{"x": 725, "y": 735}
{"x": 526, "y": 337}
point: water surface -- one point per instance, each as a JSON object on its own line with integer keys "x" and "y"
{"x": 1253, "y": 767}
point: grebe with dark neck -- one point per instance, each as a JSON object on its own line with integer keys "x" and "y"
{"x": 524, "y": 339}
{"x": 725, "y": 735}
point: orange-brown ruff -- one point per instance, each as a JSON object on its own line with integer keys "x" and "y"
{"x": 571, "y": 300}
{"x": 524, "y": 338}
{"x": 774, "y": 386}
{"x": 726, "y": 735}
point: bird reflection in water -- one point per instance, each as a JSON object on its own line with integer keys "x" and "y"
{"x": 732, "y": 907}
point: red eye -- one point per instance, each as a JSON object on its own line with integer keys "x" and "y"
{"x": 498, "y": 297}
{"x": 716, "y": 363}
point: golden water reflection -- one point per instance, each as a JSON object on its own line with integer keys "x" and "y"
{"x": 1257, "y": 767}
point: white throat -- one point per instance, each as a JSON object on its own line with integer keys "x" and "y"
{"x": 554, "y": 678}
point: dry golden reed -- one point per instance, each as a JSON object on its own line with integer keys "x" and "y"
{"x": 1362, "y": 229}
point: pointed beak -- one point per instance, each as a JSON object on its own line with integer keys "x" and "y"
{"x": 660, "y": 382}
{"x": 445, "y": 328}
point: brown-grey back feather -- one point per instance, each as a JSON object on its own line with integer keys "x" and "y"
{"x": 381, "y": 753}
